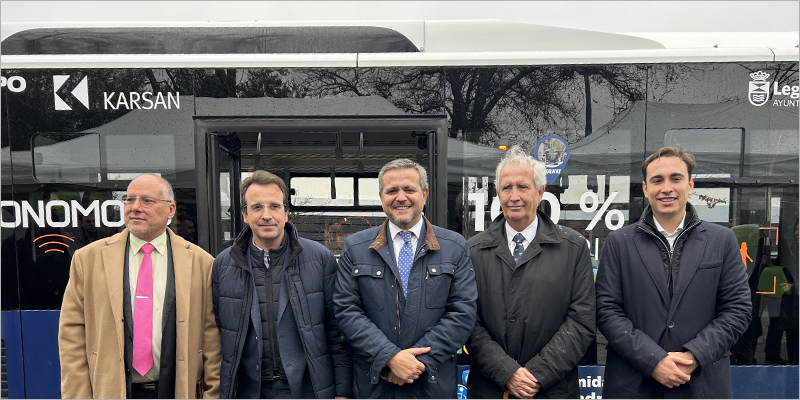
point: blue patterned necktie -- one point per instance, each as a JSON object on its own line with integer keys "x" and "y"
{"x": 405, "y": 259}
{"x": 518, "y": 249}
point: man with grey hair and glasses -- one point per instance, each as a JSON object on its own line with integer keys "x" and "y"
{"x": 137, "y": 319}
{"x": 536, "y": 304}
{"x": 405, "y": 295}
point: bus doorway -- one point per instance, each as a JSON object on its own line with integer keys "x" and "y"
{"x": 330, "y": 165}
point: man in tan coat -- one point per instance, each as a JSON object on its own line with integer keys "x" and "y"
{"x": 164, "y": 353}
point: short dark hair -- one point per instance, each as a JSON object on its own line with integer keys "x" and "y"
{"x": 684, "y": 155}
{"x": 261, "y": 177}
{"x": 186, "y": 218}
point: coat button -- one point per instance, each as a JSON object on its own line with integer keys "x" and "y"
{"x": 378, "y": 273}
{"x": 355, "y": 271}
{"x": 433, "y": 269}
{"x": 433, "y": 378}
{"x": 671, "y": 324}
{"x": 513, "y": 319}
{"x": 257, "y": 367}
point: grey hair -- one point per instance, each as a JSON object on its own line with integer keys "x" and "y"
{"x": 403, "y": 163}
{"x": 516, "y": 156}
{"x": 166, "y": 187}
{"x": 166, "y": 190}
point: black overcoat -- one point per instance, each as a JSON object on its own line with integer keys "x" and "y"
{"x": 539, "y": 314}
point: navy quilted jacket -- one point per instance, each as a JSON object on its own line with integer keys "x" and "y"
{"x": 308, "y": 335}
{"x": 379, "y": 321}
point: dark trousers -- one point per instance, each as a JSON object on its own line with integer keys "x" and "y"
{"x": 144, "y": 391}
{"x": 276, "y": 389}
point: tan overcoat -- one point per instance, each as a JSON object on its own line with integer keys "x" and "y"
{"x": 91, "y": 329}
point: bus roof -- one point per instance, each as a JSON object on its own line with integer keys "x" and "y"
{"x": 391, "y": 43}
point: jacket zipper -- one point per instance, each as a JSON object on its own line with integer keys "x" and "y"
{"x": 270, "y": 303}
{"x": 670, "y": 283}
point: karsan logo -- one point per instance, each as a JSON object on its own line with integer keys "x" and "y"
{"x": 140, "y": 101}
{"x": 80, "y": 92}
{"x": 64, "y": 89}
{"x": 759, "y": 92}
{"x": 60, "y": 214}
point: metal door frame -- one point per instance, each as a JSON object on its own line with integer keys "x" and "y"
{"x": 207, "y": 163}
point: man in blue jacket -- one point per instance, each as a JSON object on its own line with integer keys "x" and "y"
{"x": 273, "y": 300}
{"x": 405, "y": 295}
{"x": 672, "y": 294}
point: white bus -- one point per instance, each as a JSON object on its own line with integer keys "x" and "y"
{"x": 88, "y": 106}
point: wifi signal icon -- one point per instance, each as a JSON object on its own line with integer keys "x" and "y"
{"x": 53, "y": 243}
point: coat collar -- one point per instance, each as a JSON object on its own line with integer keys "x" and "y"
{"x": 430, "y": 237}
{"x": 547, "y": 231}
{"x": 647, "y": 223}
{"x": 242, "y": 243}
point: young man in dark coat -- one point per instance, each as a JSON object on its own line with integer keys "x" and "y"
{"x": 405, "y": 295}
{"x": 273, "y": 300}
{"x": 672, "y": 294}
{"x": 535, "y": 294}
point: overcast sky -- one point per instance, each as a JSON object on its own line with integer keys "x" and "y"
{"x": 617, "y": 16}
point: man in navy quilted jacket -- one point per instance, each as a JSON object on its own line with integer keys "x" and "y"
{"x": 405, "y": 295}
{"x": 273, "y": 300}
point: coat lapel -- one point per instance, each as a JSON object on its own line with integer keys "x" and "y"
{"x": 114, "y": 266}
{"x": 182, "y": 262}
{"x": 653, "y": 265}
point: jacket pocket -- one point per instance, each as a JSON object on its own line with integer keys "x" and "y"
{"x": 437, "y": 284}
{"x": 709, "y": 265}
{"x": 371, "y": 284}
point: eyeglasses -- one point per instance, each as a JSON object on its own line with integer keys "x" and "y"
{"x": 258, "y": 207}
{"x": 145, "y": 201}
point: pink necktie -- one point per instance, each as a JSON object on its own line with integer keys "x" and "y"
{"x": 143, "y": 315}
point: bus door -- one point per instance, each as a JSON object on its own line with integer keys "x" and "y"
{"x": 330, "y": 165}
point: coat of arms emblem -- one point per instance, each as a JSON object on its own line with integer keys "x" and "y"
{"x": 758, "y": 92}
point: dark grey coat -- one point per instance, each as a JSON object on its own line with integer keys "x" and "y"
{"x": 709, "y": 310}
{"x": 538, "y": 314}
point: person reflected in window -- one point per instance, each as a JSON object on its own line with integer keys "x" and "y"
{"x": 186, "y": 228}
{"x": 89, "y": 231}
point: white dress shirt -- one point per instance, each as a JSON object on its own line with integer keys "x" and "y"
{"x": 159, "y": 262}
{"x": 528, "y": 233}
{"x": 397, "y": 240}
{"x": 670, "y": 236}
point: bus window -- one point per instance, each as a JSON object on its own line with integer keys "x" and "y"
{"x": 320, "y": 192}
{"x": 368, "y": 192}
{"x": 67, "y": 157}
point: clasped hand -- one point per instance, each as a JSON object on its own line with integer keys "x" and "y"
{"x": 404, "y": 366}
{"x": 523, "y": 384}
{"x": 675, "y": 369}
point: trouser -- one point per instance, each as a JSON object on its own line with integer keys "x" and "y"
{"x": 276, "y": 389}
{"x": 147, "y": 390}
{"x": 279, "y": 389}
